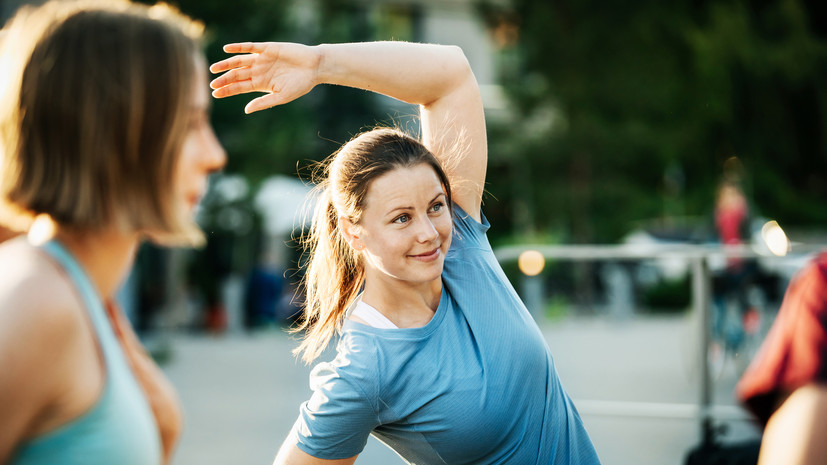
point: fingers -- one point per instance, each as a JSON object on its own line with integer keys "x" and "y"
{"x": 235, "y": 88}
{"x": 245, "y": 47}
{"x": 262, "y": 103}
{"x": 235, "y": 75}
{"x": 238, "y": 61}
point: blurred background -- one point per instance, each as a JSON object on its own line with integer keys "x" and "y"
{"x": 613, "y": 129}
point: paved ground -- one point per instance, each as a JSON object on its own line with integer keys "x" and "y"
{"x": 633, "y": 381}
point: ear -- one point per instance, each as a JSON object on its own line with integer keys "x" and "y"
{"x": 350, "y": 232}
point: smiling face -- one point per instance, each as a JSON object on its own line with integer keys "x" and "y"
{"x": 201, "y": 153}
{"x": 405, "y": 228}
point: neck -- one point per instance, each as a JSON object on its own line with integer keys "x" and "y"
{"x": 406, "y": 305}
{"x": 106, "y": 256}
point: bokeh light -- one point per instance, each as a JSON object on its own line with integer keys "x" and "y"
{"x": 775, "y": 238}
{"x": 531, "y": 262}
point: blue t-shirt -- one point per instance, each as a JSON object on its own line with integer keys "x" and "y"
{"x": 476, "y": 385}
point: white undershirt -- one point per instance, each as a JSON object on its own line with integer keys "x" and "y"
{"x": 371, "y": 316}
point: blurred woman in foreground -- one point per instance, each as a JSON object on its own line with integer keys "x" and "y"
{"x": 104, "y": 135}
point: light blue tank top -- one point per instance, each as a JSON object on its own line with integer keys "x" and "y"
{"x": 119, "y": 428}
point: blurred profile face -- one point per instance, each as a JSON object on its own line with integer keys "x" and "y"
{"x": 405, "y": 227}
{"x": 201, "y": 154}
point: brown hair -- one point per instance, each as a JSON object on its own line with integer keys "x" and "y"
{"x": 95, "y": 114}
{"x": 334, "y": 273}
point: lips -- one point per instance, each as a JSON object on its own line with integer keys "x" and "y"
{"x": 193, "y": 200}
{"x": 198, "y": 194}
{"x": 428, "y": 256}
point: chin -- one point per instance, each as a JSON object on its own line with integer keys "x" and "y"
{"x": 433, "y": 275}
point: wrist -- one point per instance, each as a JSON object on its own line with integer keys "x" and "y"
{"x": 323, "y": 63}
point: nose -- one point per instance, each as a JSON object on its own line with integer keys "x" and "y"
{"x": 427, "y": 231}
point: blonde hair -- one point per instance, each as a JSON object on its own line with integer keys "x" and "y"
{"x": 334, "y": 273}
{"x": 94, "y": 114}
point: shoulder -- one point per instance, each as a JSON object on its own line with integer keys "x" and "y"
{"x": 39, "y": 314}
{"x": 352, "y": 380}
{"x": 355, "y": 363}
{"x": 344, "y": 403}
{"x": 41, "y": 334}
{"x": 820, "y": 262}
{"x": 33, "y": 289}
{"x": 808, "y": 290}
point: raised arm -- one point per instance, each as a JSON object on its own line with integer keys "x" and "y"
{"x": 435, "y": 77}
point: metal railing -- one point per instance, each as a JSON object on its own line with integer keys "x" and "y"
{"x": 698, "y": 257}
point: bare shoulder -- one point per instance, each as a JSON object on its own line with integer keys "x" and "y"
{"x": 37, "y": 303}
{"x": 41, "y": 327}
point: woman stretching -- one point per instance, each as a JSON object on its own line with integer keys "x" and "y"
{"x": 437, "y": 356}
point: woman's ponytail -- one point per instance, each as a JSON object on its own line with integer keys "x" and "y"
{"x": 331, "y": 282}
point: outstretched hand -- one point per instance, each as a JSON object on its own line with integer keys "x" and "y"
{"x": 285, "y": 71}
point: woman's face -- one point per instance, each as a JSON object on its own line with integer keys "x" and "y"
{"x": 201, "y": 154}
{"x": 405, "y": 229}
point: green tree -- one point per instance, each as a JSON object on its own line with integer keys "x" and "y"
{"x": 621, "y": 108}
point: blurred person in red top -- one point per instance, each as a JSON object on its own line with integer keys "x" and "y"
{"x": 731, "y": 213}
{"x": 785, "y": 387}
{"x": 731, "y": 285}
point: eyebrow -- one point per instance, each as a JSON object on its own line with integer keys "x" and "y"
{"x": 411, "y": 208}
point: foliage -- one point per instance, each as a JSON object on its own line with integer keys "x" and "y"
{"x": 629, "y": 112}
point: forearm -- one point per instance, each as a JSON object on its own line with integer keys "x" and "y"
{"x": 414, "y": 73}
{"x": 290, "y": 454}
